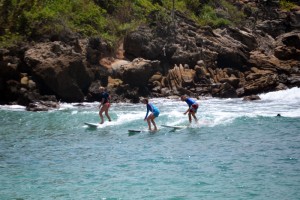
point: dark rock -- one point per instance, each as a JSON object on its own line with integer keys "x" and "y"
{"x": 42, "y": 106}
{"x": 225, "y": 90}
{"x": 139, "y": 72}
{"x": 64, "y": 75}
{"x": 94, "y": 92}
{"x": 97, "y": 49}
{"x": 251, "y": 98}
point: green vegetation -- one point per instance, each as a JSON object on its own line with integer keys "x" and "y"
{"x": 287, "y": 5}
{"x": 34, "y": 19}
{"x": 209, "y": 17}
{"x": 23, "y": 20}
{"x": 218, "y": 13}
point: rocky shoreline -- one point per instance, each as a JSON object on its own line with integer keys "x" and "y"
{"x": 158, "y": 61}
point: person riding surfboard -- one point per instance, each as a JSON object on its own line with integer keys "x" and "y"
{"x": 104, "y": 105}
{"x": 152, "y": 116}
{"x": 193, "y": 107}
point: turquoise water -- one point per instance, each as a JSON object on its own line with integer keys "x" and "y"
{"x": 239, "y": 150}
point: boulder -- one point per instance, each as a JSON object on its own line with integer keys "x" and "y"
{"x": 260, "y": 85}
{"x": 272, "y": 27}
{"x": 271, "y": 63}
{"x": 142, "y": 43}
{"x": 97, "y": 49}
{"x": 94, "y": 92}
{"x": 294, "y": 19}
{"x": 138, "y": 72}
{"x": 224, "y": 90}
{"x": 179, "y": 77}
{"x": 42, "y": 106}
{"x": 233, "y": 81}
{"x": 251, "y": 98}
{"x": 288, "y": 46}
{"x": 59, "y": 70}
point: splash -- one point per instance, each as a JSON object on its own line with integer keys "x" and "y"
{"x": 12, "y": 107}
{"x": 288, "y": 96}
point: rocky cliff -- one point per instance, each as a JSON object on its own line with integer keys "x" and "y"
{"x": 160, "y": 60}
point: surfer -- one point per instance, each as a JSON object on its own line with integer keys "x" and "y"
{"x": 152, "y": 116}
{"x": 193, "y": 106}
{"x": 104, "y": 105}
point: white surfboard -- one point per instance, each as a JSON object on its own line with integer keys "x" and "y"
{"x": 174, "y": 127}
{"x": 92, "y": 125}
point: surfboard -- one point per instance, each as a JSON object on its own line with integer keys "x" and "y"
{"x": 133, "y": 132}
{"x": 92, "y": 125}
{"x": 174, "y": 127}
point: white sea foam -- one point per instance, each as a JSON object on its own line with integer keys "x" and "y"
{"x": 211, "y": 112}
{"x": 12, "y": 107}
{"x": 128, "y": 117}
{"x": 64, "y": 105}
{"x": 123, "y": 118}
{"x": 285, "y": 102}
{"x": 284, "y": 96}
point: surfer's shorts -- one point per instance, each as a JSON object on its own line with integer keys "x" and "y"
{"x": 155, "y": 113}
{"x": 194, "y": 108}
{"x": 107, "y": 104}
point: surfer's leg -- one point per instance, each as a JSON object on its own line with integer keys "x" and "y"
{"x": 106, "y": 113}
{"x": 154, "y": 124}
{"x": 149, "y": 124}
{"x": 190, "y": 117}
{"x": 194, "y": 115}
{"x": 101, "y": 115}
{"x": 149, "y": 120}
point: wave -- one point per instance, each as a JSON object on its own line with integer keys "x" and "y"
{"x": 289, "y": 96}
{"x": 12, "y": 107}
{"x": 212, "y": 111}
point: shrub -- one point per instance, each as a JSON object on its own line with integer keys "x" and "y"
{"x": 286, "y": 5}
{"x": 111, "y": 19}
{"x": 209, "y": 17}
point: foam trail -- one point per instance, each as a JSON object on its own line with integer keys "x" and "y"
{"x": 123, "y": 118}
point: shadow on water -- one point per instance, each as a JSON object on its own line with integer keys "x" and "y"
{"x": 96, "y": 130}
{"x": 90, "y": 128}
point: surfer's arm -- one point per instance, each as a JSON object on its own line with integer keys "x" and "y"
{"x": 147, "y": 112}
{"x": 108, "y": 97}
{"x": 101, "y": 104}
{"x": 186, "y": 111}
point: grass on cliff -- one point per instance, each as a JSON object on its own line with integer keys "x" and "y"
{"x": 109, "y": 19}
{"x": 287, "y": 5}
{"x": 35, "y": 19}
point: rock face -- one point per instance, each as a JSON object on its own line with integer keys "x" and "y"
{"x": 226, "y": 62}
{"x": 137, "y": 72}
{"x": 161, "y": 59}
{"x": 42, "y": 106}
{"x": 59, "y": 70}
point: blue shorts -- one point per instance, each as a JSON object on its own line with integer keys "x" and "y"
{"x": 155, "y": 113}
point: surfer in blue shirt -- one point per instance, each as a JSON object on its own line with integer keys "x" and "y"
{"x": 104, "y": 105}
{"x": 152, "y": 116}
{"x": 193, "y": 107}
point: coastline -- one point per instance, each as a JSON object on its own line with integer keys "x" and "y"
{"x": 199, "y": 61}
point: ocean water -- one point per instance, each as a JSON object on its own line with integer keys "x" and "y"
{"x": 238, "y": 150}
